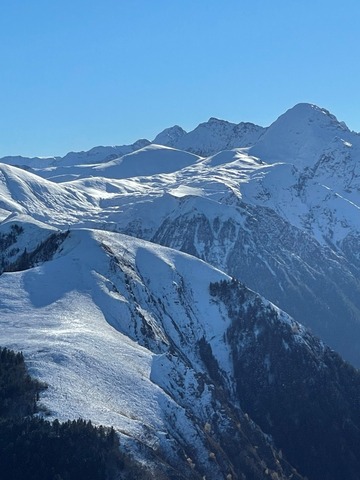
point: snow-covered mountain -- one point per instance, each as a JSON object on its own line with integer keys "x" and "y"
{"x": 151, "y": 341}
{"x": 166, "y": 346}
{"x": 123, "y": 332}
{"x": 300, "y": 135}
{"x": 95, "y": 155}
{"x": 206, "y": 139}
{"x": 211, "y": 137}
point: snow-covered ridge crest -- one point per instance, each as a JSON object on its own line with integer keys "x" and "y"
{"x": 97, "y": 154}
{"x": 152, "y": 341}
{"x": 215, "y": 135}
{"x": 122, "y": 331}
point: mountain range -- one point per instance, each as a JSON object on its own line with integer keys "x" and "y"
{"x": 147, "y": 285}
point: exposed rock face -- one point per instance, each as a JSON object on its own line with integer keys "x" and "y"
{"x": 283, "y": 263}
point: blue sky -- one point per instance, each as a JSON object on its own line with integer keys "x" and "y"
{"x": 80, "y": 73}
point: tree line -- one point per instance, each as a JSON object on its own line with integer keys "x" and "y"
{"x": 33, "y": 448}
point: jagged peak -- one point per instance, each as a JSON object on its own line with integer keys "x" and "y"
{"x": 174, "y": 128}
{"x": 169, "y": 135}
{"x": 218, "y": 120}
{"x": 213, "y": 121}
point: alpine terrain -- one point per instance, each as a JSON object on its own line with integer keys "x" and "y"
{"x": 199, "y": 293}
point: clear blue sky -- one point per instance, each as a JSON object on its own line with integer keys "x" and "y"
{"x": 80, "y": 73}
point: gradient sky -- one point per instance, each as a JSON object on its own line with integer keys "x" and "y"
{"x": 79, "y": 73}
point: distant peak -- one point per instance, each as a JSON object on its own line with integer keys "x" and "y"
{"x": 300, "y": 135}
{"x": 311, "y": 111}
{"x": 169, "y": 136}
{"x": 307, "y": 108}
{"x": 141, "y": 143}
{"x": 214, "y": 120}
{"x": 174, "y": 128}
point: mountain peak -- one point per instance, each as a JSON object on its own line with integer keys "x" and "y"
{"x": 299, "y": 135}
{"x": 210, "y": 137}
{"x": 309, "y": 111}
{"x": 214, "y": 120}
{"x": 169, "y": 136}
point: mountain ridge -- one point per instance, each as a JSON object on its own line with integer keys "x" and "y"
{"x": 138, "y": 388}
{"x": 126, "y": 284}
{"x": 243, "y": 134}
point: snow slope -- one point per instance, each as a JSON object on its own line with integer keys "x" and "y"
{"x": 110, "y": 324}
{"x": 151, "y": 341}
